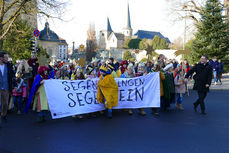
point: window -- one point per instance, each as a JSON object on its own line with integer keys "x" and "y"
{"x": 102, "y": 34}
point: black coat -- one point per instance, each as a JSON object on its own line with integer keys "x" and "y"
{"x": 202, "y": 77}
{"x": 11, "y": 76}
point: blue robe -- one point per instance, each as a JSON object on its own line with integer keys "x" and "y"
{"x": 36, "y": 84}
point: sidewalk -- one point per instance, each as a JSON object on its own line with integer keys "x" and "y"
{"x": 224, "y": 86}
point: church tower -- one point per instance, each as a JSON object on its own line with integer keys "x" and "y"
{"x": 104, "y": 35}
{"x": 127, "y": 31}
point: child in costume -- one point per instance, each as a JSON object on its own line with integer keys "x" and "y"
{"x": 122, "y": 69}
{"x": 157, "y": 68}
{"x": 19, "y": 92}
{"x": 169, "y": 79}
{"x": 107, "y": 92}
{"x": 111, "y": 71}
{"x": 180, "y": 88}
{"x": 77, "y": 74}
{"x": 63, "y": 73}
{"x": 40, "y": 99}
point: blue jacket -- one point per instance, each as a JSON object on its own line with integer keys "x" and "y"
{"x": 214, "y": 65}
{"x": 220, "y": 68}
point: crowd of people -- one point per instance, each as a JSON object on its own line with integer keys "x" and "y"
{"x": 20, "y": 83}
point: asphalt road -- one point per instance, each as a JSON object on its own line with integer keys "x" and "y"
{"x": 172, "y": 132}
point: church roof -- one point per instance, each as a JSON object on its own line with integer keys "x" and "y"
{"x": 119, "y": 36}
{"x": 109, "y": 25}
{"x": 142, "y": 34}
{"x": 47, "y": 34}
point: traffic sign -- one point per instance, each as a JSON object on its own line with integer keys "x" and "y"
{"x": 36, "y": 33}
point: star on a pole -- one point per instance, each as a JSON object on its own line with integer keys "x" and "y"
{"x": 81, "y": 62}
{"x": 103, "y": 54}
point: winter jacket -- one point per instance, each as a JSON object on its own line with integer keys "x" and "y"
{"x": 214, "y": 65}
{"x": 220, "y": 68}
{"x": 202, "y": 77}
{"x": 179, "y": 85}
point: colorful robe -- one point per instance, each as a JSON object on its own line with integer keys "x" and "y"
{"x": 107, "y": 91}
{"x": 35, "y": 87}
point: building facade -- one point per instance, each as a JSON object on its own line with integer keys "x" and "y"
{"x": 108, "y": 39}
{"x": 55, "y": 46}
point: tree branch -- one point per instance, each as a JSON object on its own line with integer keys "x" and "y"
{"x": 16, "y": 12}
{"x": 9, "y": 26}
{"x": 10, "y": 6}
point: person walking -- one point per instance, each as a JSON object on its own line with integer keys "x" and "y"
{"x": 219, "y": 71}
{"x": 202, "y": 78}
{"x": 6, "y": 85}
{"x": 214, "y": 63}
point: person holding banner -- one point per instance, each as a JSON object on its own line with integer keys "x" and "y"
{"x": 107, "y": 90}
{"x": 40, "y": 100}
{"x": 90, "y": 73}
{"x": 63, "y": 73}
{"x": 141, "y": 72}
{"x": 78, "y": 75}
{"x": 129, "y": 73}
{"x": 157, "y": 68}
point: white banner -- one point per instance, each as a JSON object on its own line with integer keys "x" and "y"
{"x": 67, "y": 98}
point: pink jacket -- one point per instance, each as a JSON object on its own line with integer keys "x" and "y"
{"x": 179, "y": 85}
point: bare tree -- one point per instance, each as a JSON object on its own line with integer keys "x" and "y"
{"x": 10, "y": 10}
{"x": 186, "y": 9}
{"x": 178, "y": 44}
{"x": 91, "y": 42}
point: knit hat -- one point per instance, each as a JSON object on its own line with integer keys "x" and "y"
{"x": 103, "y": 68}
{"x": 42, "y": 69}
{"x": 124, "y": 62}
{"x": 130, "y": 66}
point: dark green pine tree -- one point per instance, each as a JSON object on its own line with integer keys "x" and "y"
{"x": 212, "y": 37}
{"x": 17, "y": 40}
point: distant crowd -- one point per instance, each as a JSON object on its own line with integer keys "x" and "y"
{"x": 19, "y": 83}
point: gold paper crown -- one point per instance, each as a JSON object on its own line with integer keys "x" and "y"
{"x": 103, "y": 68}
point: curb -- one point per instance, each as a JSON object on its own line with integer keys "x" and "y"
{"x": 214, "y": 90}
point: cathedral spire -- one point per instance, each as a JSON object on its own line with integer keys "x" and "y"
{"x": 108, "y": 25}
{"x": 128, "y": 18}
